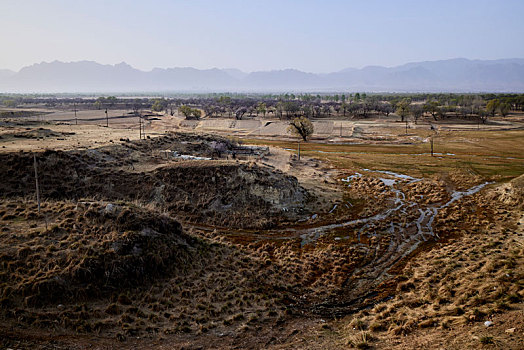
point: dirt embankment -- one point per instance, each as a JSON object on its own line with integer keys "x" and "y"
{"x": 100, "y": 258}
{"x": 90, "y": 250}
{"x": 120, "y": 271}
{"x": 220, "y": 193}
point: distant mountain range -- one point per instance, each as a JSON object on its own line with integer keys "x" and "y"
{"x": 454, "y": 75}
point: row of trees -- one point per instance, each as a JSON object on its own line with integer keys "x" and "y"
{"x": 476, "y": 109}
{"x": 290, "y": 106}
{"x": 288, "y": 109}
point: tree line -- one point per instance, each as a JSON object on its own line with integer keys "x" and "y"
{"x": 288, "y": 106}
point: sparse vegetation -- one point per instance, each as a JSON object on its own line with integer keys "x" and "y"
{"x": 198, "y": 238}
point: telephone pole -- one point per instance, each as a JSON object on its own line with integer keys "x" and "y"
{"x": 36, "y": 182}
{"x": 140, "y": 126}
{"x": 434, "y": 131}
{"x": 144, "y": 127}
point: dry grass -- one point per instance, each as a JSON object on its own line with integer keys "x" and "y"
{"x": 70, "y": 278}
{"x": 126, "y": 272}
{"x": 84, "y": 250}
{"x": 471, "y": 278}
{"x": 491, "y": 154}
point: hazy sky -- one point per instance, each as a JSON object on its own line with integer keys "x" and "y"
{"x": 314, "y": 36}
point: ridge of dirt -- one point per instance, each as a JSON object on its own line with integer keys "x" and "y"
{"x": 220, "y": 192}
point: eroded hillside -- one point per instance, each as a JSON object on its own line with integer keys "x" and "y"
{"x": 169, "y": 241}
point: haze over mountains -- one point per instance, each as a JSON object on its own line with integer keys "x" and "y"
{"x": 454, "y": 75}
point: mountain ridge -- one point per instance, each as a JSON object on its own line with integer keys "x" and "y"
{"x": 452, "y": 75}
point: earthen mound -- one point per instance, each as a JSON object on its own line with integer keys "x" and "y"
{"x": 211, "y": 192}
{"x": 93, "y": 250}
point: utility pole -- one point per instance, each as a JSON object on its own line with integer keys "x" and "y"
{"x": 434, "y": 131}
{"x": 107, "y": 120}
{"x": 140, "y": 125}
{"x": 76, "y": 120}
{"x": 36, "y": 182}
{"x": 144, "y": 128}
{"x": 406, "y": 126}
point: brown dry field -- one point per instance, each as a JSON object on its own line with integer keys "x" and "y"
{"x": 311, "y": 279}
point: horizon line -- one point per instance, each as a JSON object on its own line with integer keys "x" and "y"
{"x": 260, "y": 70}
